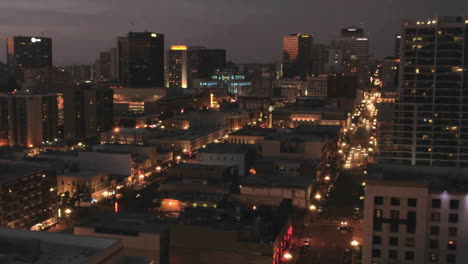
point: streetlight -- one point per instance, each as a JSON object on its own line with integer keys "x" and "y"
{"x": 312, "y": 207}
{"x": 318, "y": 196}
{"x": 354, "y": 243}
{"x": 68, "y": 211}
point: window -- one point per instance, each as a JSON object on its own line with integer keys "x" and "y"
{"x": 454, "y": 204}
{"x": 377, "y": 226}
{"x": 433, "y": 257}
{"x": 376, "y": 253}
{"x": 410, "y": 242}
{"x": 436, "y": 203}
{"x": 411, "y": 222}
{"x": 378, "y": 213}
{"x": 395, "y": 201}
{"x": 394, "y": 227}
{"x": 451, "y": 244}
{"x": 451, "y": 259}
{"x": 409, "y": 255}
{"x": 453, "y": 218}
{"x": 393, "y": 241}
{"x": 435, "y": 217}
{"x": 395, "y": 214}
{"x": 376, "y": 240}
{"x": 435, "y": 230}
{"x": 378, "y": 200}
{"x": 433, "y": 244}
{"x": 452, "y": 231}
{"x": 392, "y": 254}
{"x": 412, "y": 202}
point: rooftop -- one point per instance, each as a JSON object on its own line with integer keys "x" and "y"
{"x": 108, "y": 222}
{"x": 21, "y": 246}
{"x": 437, "y": 179}
{"x": 226, "y": 148}
{"x": 12, "y": 170}
{"x": 278, "y": 181}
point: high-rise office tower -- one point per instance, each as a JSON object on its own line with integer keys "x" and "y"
{"x": 431, "y": 113}
{"x": 297, "y": 55}
{"x": 186, "y": 63}
{"x": 28, "y": 53}
{"x": 354, "y": 44}
{"x": 397, "y": 40}
{"x": 28, "y": 119}
{"x": 87, "y": 111}
{"x": 206, "y": 62}
{"x": 103, "y": 67}
{"x": 114, "y": 64}
{"x": 319, "y": 58}
{"x": 141, "y": 60}
{"x": 178, "y": 66}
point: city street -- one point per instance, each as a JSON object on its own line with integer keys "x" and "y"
{"x": 344, "y": 201}
{"x": 327, "y": 244}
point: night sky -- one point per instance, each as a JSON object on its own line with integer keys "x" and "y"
{"x": 250, "y": 30}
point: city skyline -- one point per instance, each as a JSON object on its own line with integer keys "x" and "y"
{"x": 186, "y": 23}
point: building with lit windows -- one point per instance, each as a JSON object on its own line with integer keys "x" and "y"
{"x": 87, "y": 112}
{"x": 430, "y": 113}
{"x": 317, "y": 86}
{"x": 189, "y": 64}
{"x": 28, "y": 119}
{"x": 141, "y": 60}
{"x": 91, "y": 183}
{"x": 354, "y": 44}
{"x": 178, "y": 66}
{"x": 28, "y": 53}
{"x": 297, "y": 55}
{"x": 28, "y": 196}
{"x": 415, "y": 215}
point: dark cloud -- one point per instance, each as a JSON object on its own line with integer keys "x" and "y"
{"x": 250, "y": 30}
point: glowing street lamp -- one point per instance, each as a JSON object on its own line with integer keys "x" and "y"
{"x": 312, "y": 207}
{"x": 354, "y": 243}
{"x": 318, "y": 196}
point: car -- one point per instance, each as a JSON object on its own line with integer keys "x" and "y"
{"x": 305, "y": 242}
{"x": 345, "y": 228}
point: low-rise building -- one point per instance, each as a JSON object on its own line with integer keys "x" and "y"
{"x": 271, "y": 190}
{"x": 28, "y": 196}
{"x": 251, "y": 135}
{"x": 139, "y": 235}
{"x": 91, "y": 183}
{"x": 21, "y": 246}
{"x": 241, "y": 156}
{"x": 307, "y": 112}
{"x": 192, "y": 185}
{"x": 131, "y": 136}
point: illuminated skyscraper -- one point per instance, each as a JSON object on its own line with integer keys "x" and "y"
{"x": 354, "y": 44}
{"x": 431, "y": 113}
{"x": 141, "y": 60}
{"x": 297, "y": 55}
{"x": 178, "y": 66}
{"x": 186, "y": 63}
{"x": 28, "y": 53}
